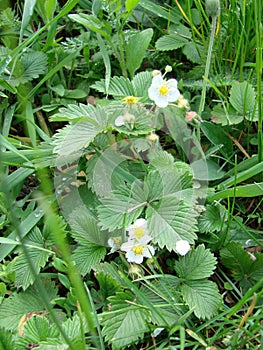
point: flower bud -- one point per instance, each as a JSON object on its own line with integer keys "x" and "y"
{"x": 190, "y": 116}
{"x": 182, "y": 247}
{"x": 212, "y": 7}
{"x": 182, "y": 102}
{"x": 135, "y": 270}
{"x": 156, "y": 72}
{"x": 168, "y": 69}
{"x": 152, "y": 137}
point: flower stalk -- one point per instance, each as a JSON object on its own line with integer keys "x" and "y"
{"x": 214, "y": 14}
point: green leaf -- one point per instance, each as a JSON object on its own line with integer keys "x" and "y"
{"x": 217, "y": 136}
{"x": 108, "y": 286}
{"x": 170, "y": 42}
{"x": 213, "y": 218}
{"x": 165, "y": 297}
{"x": 159, "y": 11}
{"x": 46, "y": 9}
{"x": 251, "y": 190}
{"x": 6, "y": 340}
{"x": 242, "y": 97}
{"x": 131, "y": 4}
{"x": 85, "y": 228}
{"x": 73, "y": 327}
{"x": 245, "y": 268}
{"x": 30, "y": 122}
{"x": 31, "y": 65}
{"x": 119, "y": 87}
{"x": 197, "y": 264}
{"x": 141, "y": 83}
{"x": 117, "y": 210}
{"x": 19, "y": 304}
{"x": 37, "y": 329}
{"x": 136, "y": 48}
{"x": 106, "y": 60}
{"x": 24, "y": 275}
{"x": 224, "y": 117}
{"x": 171, "y": 221}
{"x": 75, "y": 113}
{"x": 202, "y": 296}
{"x": 27, "y": 13}
{"x": 127, "y": 321}
{"x": 74, "y": 137}
{"x": 192, "y": 52}
{"x": 91, "y": 22}
{"x": 26, "y": 225}
{"x": 88, "y": 256}
{"x": 207, "y": 170}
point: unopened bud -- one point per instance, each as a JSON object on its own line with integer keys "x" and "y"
{"x": 156, "y": 72}
{"x": 212, "y": 7}
{"x": 190, "y": 116}
{"x": 168, "y": 69}
{"x": 152, "y": 137}
{"x": 135, "y": 270}
{"x": 182, "y": 102}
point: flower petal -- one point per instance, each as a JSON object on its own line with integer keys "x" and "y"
{"x": 182, "y": 247}
{"x": 119, "y": 121}
{"x": 148, "y": 251}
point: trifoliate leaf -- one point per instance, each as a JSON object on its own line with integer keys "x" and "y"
{"x": 17, "y": 305}
{"x": 242, "y": 97}
{"x": 31, "y": 65}
{"x": 202, "y": 296}
{"x": 127, "y": 321}
{"x": 170, "y": 221}
{"x": 88, "y": 256}
{"x": 197, "y": 264}
{"x": 244, "y": 267}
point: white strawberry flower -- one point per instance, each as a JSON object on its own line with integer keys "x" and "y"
{"x": 139, "y": 231}
{"x": 135, "y": 252}
{"x": 182, "y": 247}
{"x": 163, "y": 91}
{"x": 114, "y": 243}
{"x": 126, "y": 119}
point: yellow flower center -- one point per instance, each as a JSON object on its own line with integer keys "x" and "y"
{"x": 130, "y": 100}
{"x": 139, "y": 232}
{"x": 138, "y": 250}
{"x": 163, "y": 90}
{"x": 117, "y": 241}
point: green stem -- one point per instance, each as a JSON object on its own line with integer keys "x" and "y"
{"x": 208, "y": 63}
{"x": 258, "y": 7}
{"x": 122, "y": 56}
